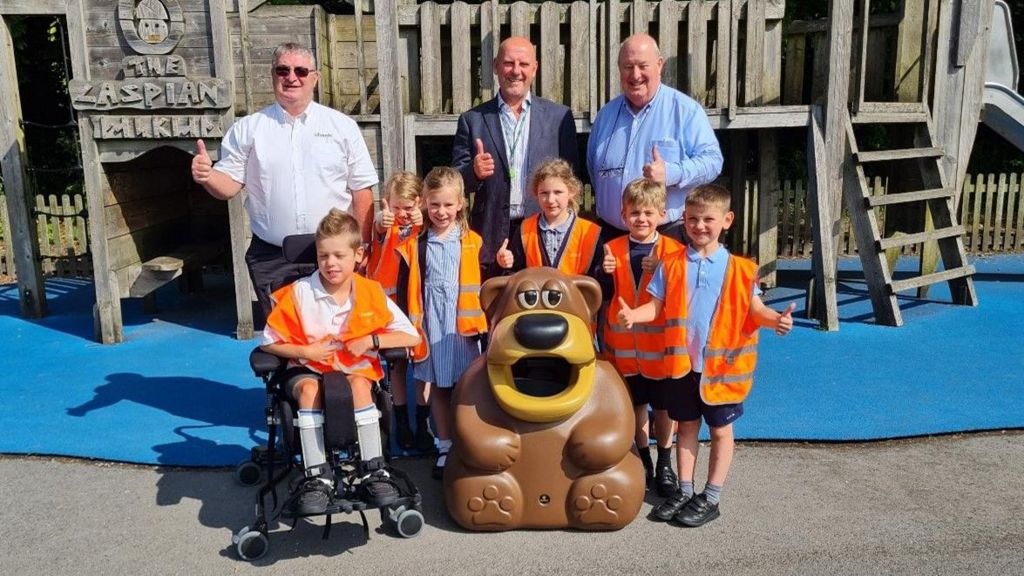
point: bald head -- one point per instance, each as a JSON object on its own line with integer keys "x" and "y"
{"x": 516, "y": 67}
{"x": 640, "y": 64}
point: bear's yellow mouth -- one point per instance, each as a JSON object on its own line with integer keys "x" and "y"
{"x": 541, "y": 385}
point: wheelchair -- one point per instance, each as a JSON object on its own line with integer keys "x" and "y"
{"x": 401, "y": 513}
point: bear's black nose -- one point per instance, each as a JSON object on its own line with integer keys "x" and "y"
{"x": 540, "y": 331}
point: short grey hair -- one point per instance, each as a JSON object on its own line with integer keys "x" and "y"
{"x": 293, "y": 48}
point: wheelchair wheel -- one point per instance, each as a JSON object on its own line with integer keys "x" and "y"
{"x": 250, "y": 544}
{"x": 409, "y": 523}
{"x": 248, "y": 473}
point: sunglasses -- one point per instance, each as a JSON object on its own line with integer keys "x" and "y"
{"x": 284, "y": 71}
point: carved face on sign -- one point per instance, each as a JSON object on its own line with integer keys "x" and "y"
{"x": 152, "y": 21}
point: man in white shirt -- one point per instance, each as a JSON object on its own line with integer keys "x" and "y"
{"x": 297, "y": 160}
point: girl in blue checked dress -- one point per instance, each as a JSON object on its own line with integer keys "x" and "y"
{"x": 448, "y": 298}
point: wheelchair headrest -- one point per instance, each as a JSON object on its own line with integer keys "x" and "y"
{"x": 299, "y": 249}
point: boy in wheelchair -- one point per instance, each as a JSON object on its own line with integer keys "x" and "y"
{"x": 335, "y": 321}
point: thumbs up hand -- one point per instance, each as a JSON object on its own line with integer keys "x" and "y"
{"x": 483, "y": 162}
{"x": 625, "y": 314}
{"x": 202, "y": 166}
{"x": 608, "y": 262}
{"x": 655, "y": 169}
{"x": 505, "y": 258}
{"x": 384, "y": 219}
{"x": 785, "y": 322}
{"x": 649, "y": 264}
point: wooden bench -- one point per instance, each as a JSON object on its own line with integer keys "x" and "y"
{"x": 185, "y": 262}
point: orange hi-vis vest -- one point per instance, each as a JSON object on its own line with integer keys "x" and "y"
{"x": 386, "y": 261}
{"x": 656, "y": 350}
{"x": 730, "y": 354}
{"x": 469, "y": 315}
{"x": 577, "y": 253}
{"x": 369, "y": 315}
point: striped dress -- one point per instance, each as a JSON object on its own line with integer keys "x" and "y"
{"x": 450, "y": 353}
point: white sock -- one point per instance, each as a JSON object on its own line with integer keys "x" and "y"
{"x": 311, "y": 435}
{"x": 368, "y": 431}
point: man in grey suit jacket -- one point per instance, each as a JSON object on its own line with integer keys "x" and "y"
{"x": 499, "y": 143}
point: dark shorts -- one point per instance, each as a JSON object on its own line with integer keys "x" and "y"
{"x": 657, "y": 393}
{"x": 293, "y": 375}
{"x": 269, "y": 270}
{"x": 686, "y": 405}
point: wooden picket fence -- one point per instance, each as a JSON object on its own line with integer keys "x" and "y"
{"x": 991, "y": 211}
{"x": 62, "y": 235}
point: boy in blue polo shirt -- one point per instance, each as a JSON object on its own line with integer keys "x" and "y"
{"x": 724, "y": 312}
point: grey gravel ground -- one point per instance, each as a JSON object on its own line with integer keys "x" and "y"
{"x": 947, "y": 505}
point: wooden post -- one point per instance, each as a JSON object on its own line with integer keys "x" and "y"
{"x": 829, "y": 194}
{"x": 768, "y": 162}
{"x": 389, "y": 86}
{"x": 825, "y": 307}
{"x": 910, "y": 51}
{"x": 22, "y": 229}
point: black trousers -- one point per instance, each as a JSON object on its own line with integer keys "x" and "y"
{"x": 269, "y": 271}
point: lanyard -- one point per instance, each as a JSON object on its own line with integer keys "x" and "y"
{"x": 630, "y": 140}
{"x": 514, "y": 134}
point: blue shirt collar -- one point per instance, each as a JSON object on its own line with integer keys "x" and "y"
{"x": 694, "y": 256}
{"x": 527, "y": 102}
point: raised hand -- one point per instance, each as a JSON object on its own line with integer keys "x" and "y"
{"x": 785, "y": 321}
{"x": 483, "y": 162}
{"x": 655, "y": 169}
{"x": 608, "y": 262}
{"x": 202, "y": 166}
{"x": 504, "y": 256}
{"x": 649, "y": 263}
{"x": 384, "y": 219}
{"x": 625, "y": 314}
{"x": 416, "y": 219}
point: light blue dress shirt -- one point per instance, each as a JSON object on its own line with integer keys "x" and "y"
{"x": 516, "y": 133}
{"x": 621, "y": 141}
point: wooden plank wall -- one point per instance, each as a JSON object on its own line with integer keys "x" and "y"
{"x": 576, "y": 48}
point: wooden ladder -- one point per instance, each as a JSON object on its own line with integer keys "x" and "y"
{"x": 917, "y": 191}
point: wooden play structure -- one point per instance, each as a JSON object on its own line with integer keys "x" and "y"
{"x": 151, "y": 76}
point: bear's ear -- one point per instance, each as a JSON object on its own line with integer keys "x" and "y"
{"x": 591, "y": 291}
{"x": 491, "y": 291}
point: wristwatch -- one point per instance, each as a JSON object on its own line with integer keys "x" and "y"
{"x": 376, "y": 341}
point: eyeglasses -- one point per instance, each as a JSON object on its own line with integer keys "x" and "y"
{"x": 284, "y": 71}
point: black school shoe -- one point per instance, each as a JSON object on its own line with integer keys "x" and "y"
{"x": 312, "y": 498}
{"x": 669, "y": 508}
{"x": 697, "y": 512}
{"x": 666, "y": 480}
{"x": 378, "y": 490}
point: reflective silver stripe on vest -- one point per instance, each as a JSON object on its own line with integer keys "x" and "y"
{"x": 390, "y": 291}
{"x": 470, "y": 288}
{"x": 730, "y": 354}
{"x": 415, "y": 317}
{"x": 636, "y": 329}
{"x": 675, "y": 350}
{"x": 727, "y": 378}
{"x": 624, "y": 353}
{"x": 468, "y": 313}
{"x": 675, "y": 322}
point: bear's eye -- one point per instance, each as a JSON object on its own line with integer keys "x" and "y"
{"x": 551, "y": 298}
{"x": 528, "y": 298}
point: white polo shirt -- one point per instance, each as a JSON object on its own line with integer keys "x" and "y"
{"x": 295, "y": 169}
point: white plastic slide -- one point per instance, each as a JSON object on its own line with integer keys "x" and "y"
{"x": 1004, "y": 107}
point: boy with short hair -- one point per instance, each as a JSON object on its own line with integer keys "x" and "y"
{"x": 723, "y": 313}
{"x": 651, "y": 368}
{"x": 336, "y": 320}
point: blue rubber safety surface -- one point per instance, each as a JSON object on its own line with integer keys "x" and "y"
{"x": 179, "y": 391}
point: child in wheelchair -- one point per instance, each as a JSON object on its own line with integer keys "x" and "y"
{"x": 335, "y": 321}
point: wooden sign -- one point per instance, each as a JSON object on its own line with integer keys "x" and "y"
{"x": 150, "y": 94}
{"x": 155, "y": 127}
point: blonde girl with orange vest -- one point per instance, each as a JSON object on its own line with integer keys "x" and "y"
{"x": 335, "y": 320}
{"x": 642, "y": 354}
{"x": 556, "y": 237}
{"x": 445, "y": 272}
{"x": 400, "y": 220}
{"x": 723, "y": 313}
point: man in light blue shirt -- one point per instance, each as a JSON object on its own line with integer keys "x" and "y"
{"x": 652, "y": 131}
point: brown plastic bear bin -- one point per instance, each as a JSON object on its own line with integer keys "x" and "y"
{"x": 543, "y": 429}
